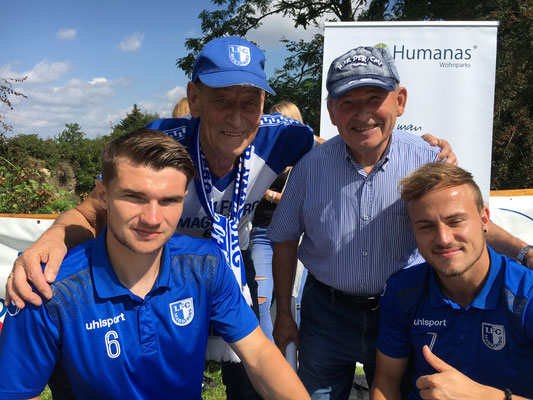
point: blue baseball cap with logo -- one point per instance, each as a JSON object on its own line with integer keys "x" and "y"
{"x": 362, "y": 66}
{"x": 231, "y": 61}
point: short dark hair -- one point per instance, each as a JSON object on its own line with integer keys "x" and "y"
{"x": 149, "y": 147}
{"x": 437, "y": 176}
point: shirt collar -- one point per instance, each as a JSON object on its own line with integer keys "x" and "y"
{"x": 487, "y": 298}
{"x": 106, "y": 282}
{"x": 381, "y": 164}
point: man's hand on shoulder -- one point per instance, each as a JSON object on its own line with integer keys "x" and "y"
{"x": 446, "y": 152}
{"x": 528, "y": 259}
{"x": 27, "y": 268}
{"x": 79, "y": 224}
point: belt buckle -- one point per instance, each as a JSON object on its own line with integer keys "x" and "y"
{"x": 359, "y": 302}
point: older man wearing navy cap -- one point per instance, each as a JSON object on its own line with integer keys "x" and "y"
{"x": 344, "y": 198}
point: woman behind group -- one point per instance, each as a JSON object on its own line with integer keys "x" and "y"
{"x": 181, "y": 108}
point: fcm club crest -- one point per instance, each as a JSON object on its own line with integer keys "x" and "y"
{"x": 239, "y": 55}
{"x": 182, "y": 311}
{"x": 493, "y": 335}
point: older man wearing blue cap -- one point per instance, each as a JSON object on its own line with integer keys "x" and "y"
{"x": 344, "y": 198}
{"x": 238, "y": 152}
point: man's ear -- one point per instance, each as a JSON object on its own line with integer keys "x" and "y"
{"x": 485, "y": 217}
{"x": 193, "y": 98}
{"x": 329, "y": 104}
{"x": 101, "y": 192}
{"x": 401, "y": 98}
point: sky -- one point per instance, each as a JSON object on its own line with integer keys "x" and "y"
{"x": 88, "y": 62}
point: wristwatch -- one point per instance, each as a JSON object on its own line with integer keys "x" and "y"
{"x": 521, "y": 258}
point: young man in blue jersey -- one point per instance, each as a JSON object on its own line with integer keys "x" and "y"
{"x": 132, "y": 308}
{"x": 463, "y": 319}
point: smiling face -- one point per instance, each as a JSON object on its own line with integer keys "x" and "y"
{"x": 365, "y": 117}
{"x": 143, "y": 207}
{"x": 229, "y": 117}
{"x": 448, "y": 227}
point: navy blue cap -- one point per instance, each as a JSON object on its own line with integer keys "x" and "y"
{"x": 363, "y": 66}
{"x": 231, "y": 61}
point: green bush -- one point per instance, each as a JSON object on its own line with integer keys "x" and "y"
{"x": 23, "y": 190}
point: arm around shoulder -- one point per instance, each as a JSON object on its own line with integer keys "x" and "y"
{"x": 71, "y": 228}
{"x": 504, "y": 243}
{"x": 446, "y": 154}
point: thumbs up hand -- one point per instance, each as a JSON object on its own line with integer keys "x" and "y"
{"x": 447, "y": 383}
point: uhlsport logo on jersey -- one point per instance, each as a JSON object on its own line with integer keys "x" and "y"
{"x": 239, "y": 55}
{"x": 493, "y": 335}
{"x": 182, "y": 311}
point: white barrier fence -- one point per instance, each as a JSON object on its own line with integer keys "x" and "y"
{"x": 512, "y": 210}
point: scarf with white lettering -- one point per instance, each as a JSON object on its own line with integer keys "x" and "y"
{"x": 225, "y": 232}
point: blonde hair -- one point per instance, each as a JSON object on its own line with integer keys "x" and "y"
{"x": 287, "y": 109}
{"x": 181, "y": 108}
{"x": 438, "y": 176}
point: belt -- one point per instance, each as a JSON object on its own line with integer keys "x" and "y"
{"x": 360, "y": 303}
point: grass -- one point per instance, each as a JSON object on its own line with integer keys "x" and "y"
{"x": 47, "y": 394}
{"x": 212, "y": 370}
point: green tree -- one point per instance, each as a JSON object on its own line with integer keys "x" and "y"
{"x": 299, "y": 80}
{"x": 82, "y": 154}
{"x": 23, "y": 188}
{"x": 512, "y": 146}
{"x": 237, "y": 18}
{"x": 300, "y": 77}
{"x": 88, "y": 164}
{"x": 6, "y": 90}
{"x": 134, "y": 120}
{"x": 23, "y": 147}
{"x": 70, "y": 136}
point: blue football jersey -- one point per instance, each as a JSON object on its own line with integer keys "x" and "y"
{"x": 116, "y": 345}
{"x": 490, "y": 341}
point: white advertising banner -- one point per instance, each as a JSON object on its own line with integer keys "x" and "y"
{"x": 449, "y": 71}
{"x": 16, "y": 235}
